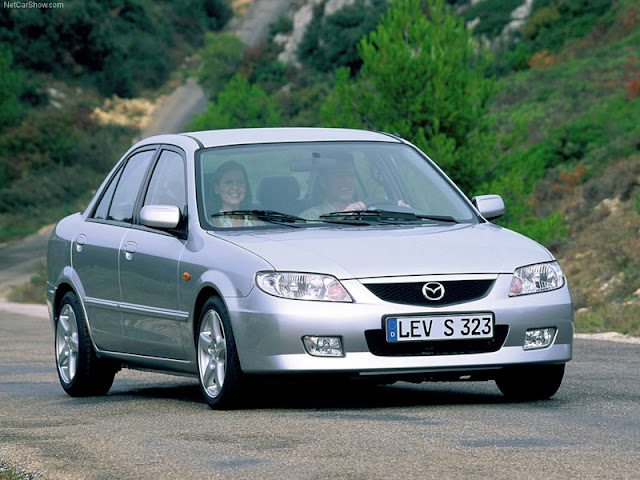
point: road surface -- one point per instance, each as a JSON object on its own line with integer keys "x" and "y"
{"x": 156, "y": 426}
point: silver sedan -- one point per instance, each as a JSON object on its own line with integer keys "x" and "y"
{"x": 232, "y": 254}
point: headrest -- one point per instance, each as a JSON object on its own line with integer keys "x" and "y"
{"x": 284, "y": 187}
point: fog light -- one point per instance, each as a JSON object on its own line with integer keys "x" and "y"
{"x": 539, "y": 338}
{"x": 323, "y": 346}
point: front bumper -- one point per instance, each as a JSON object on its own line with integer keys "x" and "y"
{"x": 269, "y": 332}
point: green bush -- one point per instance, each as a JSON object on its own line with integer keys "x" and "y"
{"x": 43, "y": 139}
{"x": 53, "y": 157}
{"x": 239, "y": 105}
{"x": 221, "y": 56}
{"x": 11, "y": 87}
{"x": 53, "y": 185}
{"x": 284, "y": 24}
{"x": 553, "y": 22}
{"x": 331, "y": 41}
{"x": 510, "y": 57}
{"x": 121, "y": 46}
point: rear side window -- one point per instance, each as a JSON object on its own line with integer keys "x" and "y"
{"x": 103, "y": 207}
{"x": 120, "y": 198}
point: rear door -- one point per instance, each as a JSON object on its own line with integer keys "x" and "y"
{"x": 95, "y": 250}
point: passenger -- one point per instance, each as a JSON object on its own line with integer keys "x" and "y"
{"x": 231, "y": 192}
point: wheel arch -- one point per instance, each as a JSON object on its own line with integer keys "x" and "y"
{"x": 65, "y": 286}
{"x": 204, "y": 294}
{"x": 61, "y": 291}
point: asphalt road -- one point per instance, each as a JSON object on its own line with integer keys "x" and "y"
{"x": 156, "y": 426}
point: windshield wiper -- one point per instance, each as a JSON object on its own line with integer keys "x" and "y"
{"x": 270, "y": 216}
{"x": 364, "y": 217}
{"x": 438, "y": 218}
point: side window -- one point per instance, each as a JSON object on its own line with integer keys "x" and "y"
{"x": 126, "y": 192}
{"x": 167, "y": 185}
{"x": 105, "y": 201}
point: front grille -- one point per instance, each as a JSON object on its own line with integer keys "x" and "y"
{"x": 378, "y": 345}
{"x": 456, "y": 291}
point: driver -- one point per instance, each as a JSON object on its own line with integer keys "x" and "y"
{"x": 339, "y": 185}
{"x": 338, "y": 182}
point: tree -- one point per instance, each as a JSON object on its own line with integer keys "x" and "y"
{"x": 331, "y": 41}
{"x": 422, "y": 78}
{"x": 239, "y": 105}
{"x": 11, "y": 86}
{"x": 221, "y": 56}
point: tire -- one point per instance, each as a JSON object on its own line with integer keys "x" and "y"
{"x": 219, "y": 372}
{"x": 80, "y": 371}
{"x": 532, "y": 382}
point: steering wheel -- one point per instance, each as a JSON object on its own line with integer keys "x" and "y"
{"x": 380, "y": 203}
{"x": 391, "y": 204}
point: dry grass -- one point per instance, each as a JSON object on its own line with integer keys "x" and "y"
{"x": 126, "y": 112}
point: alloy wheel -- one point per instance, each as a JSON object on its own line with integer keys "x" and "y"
{"x": 212, "y": 354}
{"x": 67, "y": 343}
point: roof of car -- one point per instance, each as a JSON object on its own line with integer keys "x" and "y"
{"x": 244, "y": 136}
{"x": 214, "y": 138}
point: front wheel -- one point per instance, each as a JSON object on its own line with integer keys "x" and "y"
{"x": 530, "y": 382}
{"x": 80, "y": 371}
{"x": 219, "y": 369}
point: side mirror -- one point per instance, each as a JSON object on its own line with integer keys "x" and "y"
{"x": 160, "y": 216}
{"x": 489, "y": 206}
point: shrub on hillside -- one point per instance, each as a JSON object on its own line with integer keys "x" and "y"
{"x": 553, "y": 22}
{"x": 119, "y": 45}
{"x": 239, "y": 105}
{"x": 331, "y": 41}
{"x": 221, "y": 56}
{"x": 55, "y": 141}
{"x": 43, "y": 139}
{"x": 11, "y": 85}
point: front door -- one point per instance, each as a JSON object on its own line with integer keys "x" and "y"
{"x": 153, "y": 325}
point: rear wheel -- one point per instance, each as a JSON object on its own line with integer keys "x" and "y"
{"x": 219, "y": 370}
{"x": 80, "y": 371}
{"x": 531, "y": 382}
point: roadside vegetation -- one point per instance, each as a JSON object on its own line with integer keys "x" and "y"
{"x": 7, "y": 473}
{"x": 56, "y": 67}
{"x": 545, "y": 113}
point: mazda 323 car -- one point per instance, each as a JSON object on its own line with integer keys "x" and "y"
{"x": 230, "y": 254}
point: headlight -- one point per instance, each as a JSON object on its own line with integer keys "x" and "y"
{"x": 540, "y": 277}
{"x": 302, "y": 286}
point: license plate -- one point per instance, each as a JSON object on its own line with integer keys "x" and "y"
{"x": 439, "y": 327}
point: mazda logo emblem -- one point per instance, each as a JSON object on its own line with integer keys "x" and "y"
{"x": 433, "y": 291}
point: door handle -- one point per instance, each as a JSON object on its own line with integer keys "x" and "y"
{"x": 129, "y": 249}
{"x": 80, "y": 241}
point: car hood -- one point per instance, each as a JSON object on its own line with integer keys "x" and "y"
{"x": 367, "y": 252}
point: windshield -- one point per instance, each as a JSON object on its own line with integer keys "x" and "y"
{"x": 307, "y": 184}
